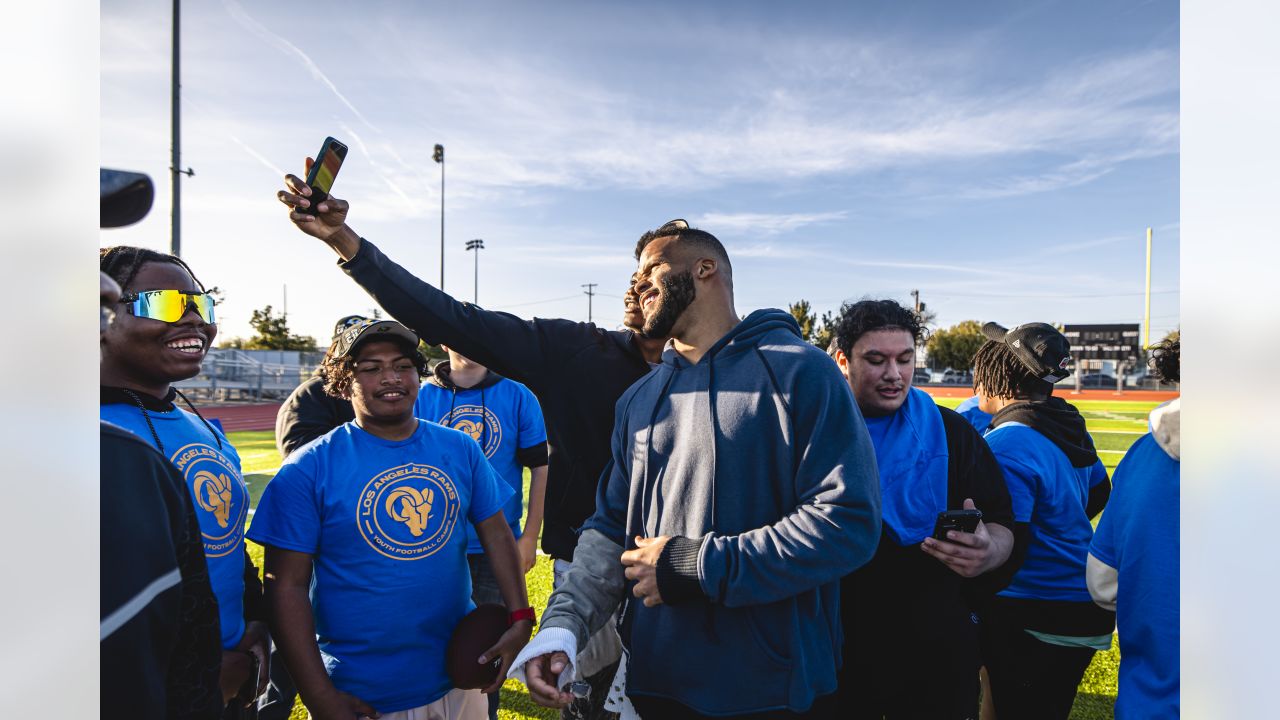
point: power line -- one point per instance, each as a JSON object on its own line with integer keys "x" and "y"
{"x": 539, "y": 302}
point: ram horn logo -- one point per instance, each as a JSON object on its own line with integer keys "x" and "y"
{"x": 213, "y": 492}
{"x": 474, "y": 428}
{"x": 413, "y": 510}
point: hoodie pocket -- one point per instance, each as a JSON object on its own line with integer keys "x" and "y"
{"x": 722, "y": 662}
{"x": 771, "y": 631}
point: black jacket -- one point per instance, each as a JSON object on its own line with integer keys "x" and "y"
{"x": 577, "y": 370}
{"x": 161, "y": 646}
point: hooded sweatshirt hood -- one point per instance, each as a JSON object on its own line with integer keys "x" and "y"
{"x": 1166, "y": 428}
{"x": 742, "y": 338}
{"x": 441, "y": 377}
{"x": 1057, "y": 420}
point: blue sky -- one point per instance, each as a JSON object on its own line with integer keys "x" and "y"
{"x": 1002, "y": 158}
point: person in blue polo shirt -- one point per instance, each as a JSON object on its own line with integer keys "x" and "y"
{"x": 376, "y": 510}
{"x": 1041, "y": 632}
{"x": 1133, "y": 562}
{"x": 504, "y": 418}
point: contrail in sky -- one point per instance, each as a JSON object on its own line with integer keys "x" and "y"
{"x": 376, "y": 165}
{"x": 258, "y": 156}
{"x": 240, "y": 16}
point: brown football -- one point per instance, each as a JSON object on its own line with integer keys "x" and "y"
{"x": 475, "y": 633}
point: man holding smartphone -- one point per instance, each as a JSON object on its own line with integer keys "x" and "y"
{"x": 910, "y": 628}
{"x": 576, "y": 370}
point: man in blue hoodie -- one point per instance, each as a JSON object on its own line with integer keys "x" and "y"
{"x": 743, "y": 487}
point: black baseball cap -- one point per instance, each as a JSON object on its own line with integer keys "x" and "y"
{"x": 345, "y": 323}
{"x": 349, "y": 339}
{"x": 1039, "y": 346}
{"x": 125, "y": 197}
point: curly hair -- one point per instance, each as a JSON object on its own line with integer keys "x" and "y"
{"x": 1166, "y": 358}
{"x": 997, "y": 372}
{"x": 864, "y": 316}
{"x": 122, "y": 263}
{"x": 339, "y": 371}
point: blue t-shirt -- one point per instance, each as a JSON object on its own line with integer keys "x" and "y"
{"x": 1138, "y": 536}
{"x": 384, "y": 521}
{"x": 217, "y": 491}
{"x": 970, "y": 411}
{"x": 1051, "y": 495}
{"x": 502, "y": 418}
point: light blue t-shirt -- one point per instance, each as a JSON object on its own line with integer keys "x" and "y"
{"x": 217, "y": 491}
{"x": 385, "y": 521}
{"x": 970, "y": 411}
{"x": 1138, "y": 536}
{"x": 503, "y": 418}
{"x": 1051, "y": 495}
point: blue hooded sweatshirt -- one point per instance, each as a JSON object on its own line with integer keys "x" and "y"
{"x": 758, "y": 464}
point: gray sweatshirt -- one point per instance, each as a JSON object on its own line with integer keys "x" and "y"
{"x": 757, "y": 463}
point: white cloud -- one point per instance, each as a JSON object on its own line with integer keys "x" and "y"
{"x": 764, "y": 223}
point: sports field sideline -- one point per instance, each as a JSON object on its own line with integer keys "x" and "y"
{"x": 1114, "y": 423}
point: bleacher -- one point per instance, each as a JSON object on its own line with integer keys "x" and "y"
{"x": 250, "y": 375}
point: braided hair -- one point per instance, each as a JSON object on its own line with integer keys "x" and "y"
{"x": 997, "y": 372}
{"x": 122, "y": 263}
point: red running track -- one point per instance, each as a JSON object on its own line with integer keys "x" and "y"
{"x": 234, "y": 418}
{"x": 262, "y": 416}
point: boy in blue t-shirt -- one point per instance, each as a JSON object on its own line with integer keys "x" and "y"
{"x": 1133, "y": 562}
{"x": 1040, "y": 633}
{"x": 377, "y": 508}
{"x": 504, "y": 418}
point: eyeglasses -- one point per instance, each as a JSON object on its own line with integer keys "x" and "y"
{"x": 169, "y": 305}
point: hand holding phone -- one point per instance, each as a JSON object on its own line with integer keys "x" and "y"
{"x": 323, "y": 172}
{"x": 959, "y": 520}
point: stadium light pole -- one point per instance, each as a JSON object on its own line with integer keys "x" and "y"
{"x": 438, "y": 156}
{"x": 1146, "y": 340}
{"x": 477, "y": 245}
{"x": 175, "y": 149}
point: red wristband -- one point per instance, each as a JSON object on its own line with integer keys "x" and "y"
{"x": 521, "y": 614}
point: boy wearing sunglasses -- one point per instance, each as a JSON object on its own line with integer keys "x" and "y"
{"x": 164, "y": 325}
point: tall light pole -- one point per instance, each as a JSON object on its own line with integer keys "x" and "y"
{"x": 438, "y": 156}
{"x": 1146, "y": 321}
{"x": 175, "y": 151}
{"x": 476, "y": 245}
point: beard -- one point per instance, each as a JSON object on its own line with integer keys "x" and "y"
{"x": 676, "y": 297}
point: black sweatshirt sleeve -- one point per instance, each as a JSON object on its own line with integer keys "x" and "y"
{"x": 308, "y": 413}
{"x": 523, "y": 350}
{"x": 975, "y": 473}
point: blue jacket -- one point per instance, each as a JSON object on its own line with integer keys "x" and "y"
{"x": 758, "y": 463}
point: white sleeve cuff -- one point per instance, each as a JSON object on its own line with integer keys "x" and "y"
{"x": 547, "y": 641}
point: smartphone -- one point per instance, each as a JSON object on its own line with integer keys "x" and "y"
{"x": 960, "y": 520}
{"x": 323, "y": 171}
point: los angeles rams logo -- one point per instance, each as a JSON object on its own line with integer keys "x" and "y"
{"x": 408, "y": 512}
{"x": 478, "y": 422}
{"x": 219, "y": 494}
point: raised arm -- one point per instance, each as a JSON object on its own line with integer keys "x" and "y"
{"x": 519, "y": 349}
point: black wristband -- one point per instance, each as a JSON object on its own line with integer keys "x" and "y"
{"x": 678, "y": 570}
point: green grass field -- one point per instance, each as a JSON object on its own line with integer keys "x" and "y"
{"x": 1115, "y": 426}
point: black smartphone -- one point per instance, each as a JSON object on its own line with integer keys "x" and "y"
{"x": 323, "y": 171}
{"x": 960, "y": 520}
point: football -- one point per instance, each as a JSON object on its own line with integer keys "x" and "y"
{"x": 475, "y": 633}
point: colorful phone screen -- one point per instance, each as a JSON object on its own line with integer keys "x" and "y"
{"x": 328, "y": 169}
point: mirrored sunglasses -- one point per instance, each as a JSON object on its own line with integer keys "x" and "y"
{"x": 169, "y": 305}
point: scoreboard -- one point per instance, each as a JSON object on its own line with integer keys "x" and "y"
{"x": 1104, "y": 342}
